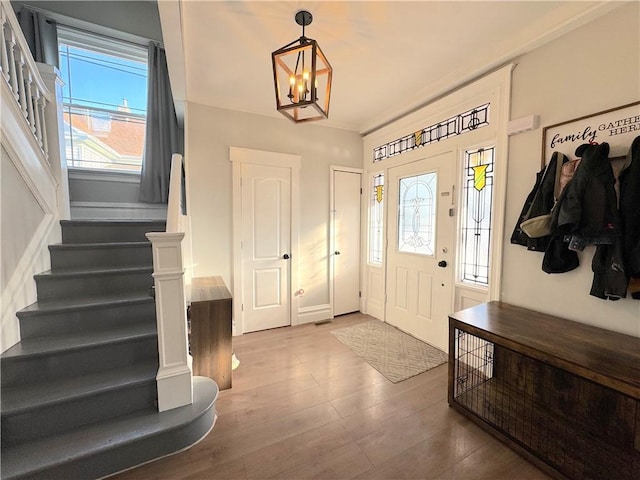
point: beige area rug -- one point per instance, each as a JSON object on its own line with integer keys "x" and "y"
{"x": 393, "y": 353}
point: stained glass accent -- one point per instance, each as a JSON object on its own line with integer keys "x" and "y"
{"x": 417, "y": 214}
{"x": 476, "y": 220}
{"x": 376, "y": 213}
{"x": 456, "y": 125}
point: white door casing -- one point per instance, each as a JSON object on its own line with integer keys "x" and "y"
{"x": 493, "y": 88}
{"x": 265, "y": 228}
{"x": 420, "y": 269}
{"x": 345, "y": 245}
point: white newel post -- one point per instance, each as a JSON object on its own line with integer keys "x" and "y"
{"x": 54, "y": 136}
{"x": 174, "y": 374}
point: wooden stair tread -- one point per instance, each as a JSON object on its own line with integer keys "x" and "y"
{"x": 83, "y": 303}
{"x": 92, "y": 272}
{"x": 50, "y": 345}
{"x": 22, "y": 398}
{"x": 114, "y": 223}
{"x": 91, "y": 246}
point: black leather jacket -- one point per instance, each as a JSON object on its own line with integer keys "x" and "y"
{"x": 588, "y": 204}
{"x": 630, "y": 209}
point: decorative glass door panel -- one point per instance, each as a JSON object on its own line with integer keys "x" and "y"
{"x": 417, "y": 214}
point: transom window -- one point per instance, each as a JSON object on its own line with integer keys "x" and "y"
{"x": 417, "y": 214}
{"x": 104, "y": 99}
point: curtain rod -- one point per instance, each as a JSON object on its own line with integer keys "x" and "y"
{"x": 92, "y": 28}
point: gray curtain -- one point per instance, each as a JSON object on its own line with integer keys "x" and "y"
{"x": 164, "y": 136}
{"x": 41, "y": 34}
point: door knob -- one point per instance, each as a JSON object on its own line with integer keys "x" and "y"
{"x": 442, "y": 263}
{"x": 285, "y": 256}
{"x": 336, "y": 252}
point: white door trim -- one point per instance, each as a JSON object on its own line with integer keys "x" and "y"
{"x": 238, "y": 156}
{"x": 332, "y": 227}
{"x": 494, "y": 88}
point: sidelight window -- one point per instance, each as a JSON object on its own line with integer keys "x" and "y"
{"x": 376, "y": 217}
{"x": 477, "y": 203}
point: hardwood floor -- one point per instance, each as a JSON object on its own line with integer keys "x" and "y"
{"x": 303, "y": 406}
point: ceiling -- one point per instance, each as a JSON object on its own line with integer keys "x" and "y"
{"x": 388, "y": 57}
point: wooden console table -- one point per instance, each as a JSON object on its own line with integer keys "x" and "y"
{"x": 563, "y": 394}
{"x": 211, "y": 346}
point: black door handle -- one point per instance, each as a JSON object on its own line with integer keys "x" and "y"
{"x": 442, "y": 263}
{"x": 336, "y": 252}
{"x": 285, "y": 256}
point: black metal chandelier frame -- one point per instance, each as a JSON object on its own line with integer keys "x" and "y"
{"x": 302, "y": 82}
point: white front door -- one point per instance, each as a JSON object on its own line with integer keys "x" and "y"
{"x": 266, "y": 246}
{"x": 420, "y": 252}
{"x": 346, "y": 242}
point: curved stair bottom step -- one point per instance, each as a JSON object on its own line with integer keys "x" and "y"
{"x": 103, "y": 449}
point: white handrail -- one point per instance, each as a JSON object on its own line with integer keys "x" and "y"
{"x": 19, "y": 70}
{"x": 174, "y": 213}
{"x": 179, "y": 223}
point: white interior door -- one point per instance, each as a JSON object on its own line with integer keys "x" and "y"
{"x": 346, "y": 242}
{"x": 420, "y": 251}
{"x": 266, "y": 246}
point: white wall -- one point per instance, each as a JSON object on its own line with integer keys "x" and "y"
{"x": 209, "y": 134}
{"x": 14, "y": 240}
{"x": 591, "y": 69}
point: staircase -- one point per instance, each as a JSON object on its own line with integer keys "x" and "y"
{"x": 79, "y": 392}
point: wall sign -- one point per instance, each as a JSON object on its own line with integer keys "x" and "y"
{"x": 617, "y": 126}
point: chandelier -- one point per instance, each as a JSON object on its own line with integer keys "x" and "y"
{"x": 302, "y": 77}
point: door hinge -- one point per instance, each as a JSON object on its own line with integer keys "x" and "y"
{"x": 360, "y": 294}
{"x": 242, "y": 307}
{"x": 360, "y": 190}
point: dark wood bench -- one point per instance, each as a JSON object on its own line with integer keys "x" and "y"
{"x": 564, "y": 394}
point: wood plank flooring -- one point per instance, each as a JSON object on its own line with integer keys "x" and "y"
{"x": 304, "y": 406}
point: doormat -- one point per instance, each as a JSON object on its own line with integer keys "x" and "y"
{"x": 393, "y": 353}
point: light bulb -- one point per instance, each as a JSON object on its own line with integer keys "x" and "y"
{"x": 305, "y": 75}
{"x": 292, "y": 80}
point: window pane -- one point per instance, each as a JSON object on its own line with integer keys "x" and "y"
{"x": 376, "y": 212}
{"x": 477, "y": 205}
{"x": 417, "y": 214}
{"x": 105, "y": 103}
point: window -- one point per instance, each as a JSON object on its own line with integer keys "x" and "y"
{"x": 417, "y": 214}
{"x": 376, "y": 217}
{"x": 477, "y": 203}
{"x": 104, "y": 100}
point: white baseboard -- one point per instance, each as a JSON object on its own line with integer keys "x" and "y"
{"x": 374, "y": 309}
{"x": 314, "y": 313}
